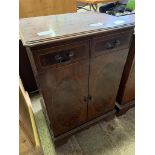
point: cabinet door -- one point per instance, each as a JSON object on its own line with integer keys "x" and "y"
{"x": 64, "y": 89}
{"x": 105, "y": 75}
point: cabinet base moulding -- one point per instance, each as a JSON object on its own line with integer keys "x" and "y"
{"x": 64, "y": 137}
{"x": 122, "y": 109}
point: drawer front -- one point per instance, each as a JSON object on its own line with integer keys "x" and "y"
{"x": 111, "y": 43}
{"x": 60, "y": 55}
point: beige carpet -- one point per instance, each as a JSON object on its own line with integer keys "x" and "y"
{"x": 115, "y": 137}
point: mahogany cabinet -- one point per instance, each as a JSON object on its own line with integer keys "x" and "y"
{"x": 79, "y": 80}
{"x": 78, "y": 74}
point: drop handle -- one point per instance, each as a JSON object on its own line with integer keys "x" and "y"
{"x": 58, "y": 58}
{"x": 110, "y": 45}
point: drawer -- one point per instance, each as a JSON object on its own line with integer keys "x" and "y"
{"x": 113, "y": 42}
{"x": 60, "y": 55}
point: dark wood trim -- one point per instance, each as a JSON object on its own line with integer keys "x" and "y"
{"x": 107, "y": 116}
{"x": 82, "y": 38}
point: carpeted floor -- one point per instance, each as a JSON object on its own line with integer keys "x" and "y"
{"x": 115, "y": 137}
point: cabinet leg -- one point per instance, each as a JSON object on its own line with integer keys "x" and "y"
{"x": 122, "y": 109}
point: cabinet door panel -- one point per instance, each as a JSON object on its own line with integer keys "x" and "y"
{"x": 63, "y": 90}
{"x": 105, "y": 75}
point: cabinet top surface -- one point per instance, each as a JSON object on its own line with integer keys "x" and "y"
{"x": 39, "y": 30}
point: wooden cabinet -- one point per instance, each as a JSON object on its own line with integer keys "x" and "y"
{"x": 79, "y": 80}
{"x": 78, "y": 74}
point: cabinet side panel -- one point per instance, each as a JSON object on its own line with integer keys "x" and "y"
{"x": 126, "y": 92}
{"x": 129, "y": 91}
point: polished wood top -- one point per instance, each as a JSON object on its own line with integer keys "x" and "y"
{"x": 96, "y": 1}
{"x": 39, "y": 30}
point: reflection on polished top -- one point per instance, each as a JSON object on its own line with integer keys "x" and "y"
{"x": 39, "y": 30}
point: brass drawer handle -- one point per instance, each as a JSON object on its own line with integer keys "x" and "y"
{"x": 113, "y": 44}
{"x": 58, "y": 58}
{"x": 65, "y": 58}
{"x": 110, "y": 45}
